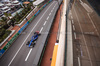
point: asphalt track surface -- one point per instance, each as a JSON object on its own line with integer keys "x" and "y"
{"x": 86, "y": 35}
{"x": 21, "y": 55}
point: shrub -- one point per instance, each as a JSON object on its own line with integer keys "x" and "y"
{"x": 2, "y": 31}
{"x": 5, "y": 35}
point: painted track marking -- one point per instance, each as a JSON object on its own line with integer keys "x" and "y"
{"x": 49, "y": 14}
{"x": 75, "y": 35}
{"x": 45, "y": 22}
{"x": 41, "y": 29}
{"x": 72, "y": 22}
{"x": 73, "y": 27}
{"x": 47, "y": 17}
{"x": 28, "y": 54}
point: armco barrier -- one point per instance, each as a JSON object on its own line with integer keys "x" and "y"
{"x": 32, "y": 18}
{"x": 19, "y": 32}
{"x": 11, "y": 41}
{"x": 41, "y": 8}
{"x": 37, "y": 13}
{"x": 44, "y": 5}
{"x": 1, "y": 52}
{"x": 23, "y": 28}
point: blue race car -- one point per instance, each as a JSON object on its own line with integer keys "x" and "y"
{"x": 32, "y": 42}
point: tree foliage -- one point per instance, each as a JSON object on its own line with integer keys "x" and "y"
{"x": 3, "y": 20}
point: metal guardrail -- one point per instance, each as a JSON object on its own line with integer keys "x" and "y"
{"x": 67, "y": 12}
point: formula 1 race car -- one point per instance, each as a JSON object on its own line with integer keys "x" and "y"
{"x": 32, "y": 42}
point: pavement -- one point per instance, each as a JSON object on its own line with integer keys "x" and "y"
{"x": 86, "y": 34}
{"x": 19, "y": 54}
{"x": 51, "y": 40}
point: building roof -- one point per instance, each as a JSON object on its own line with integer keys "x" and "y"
{"x": 15, "y": 2}
{"x": 26, "y": 2}
{"x": 37, "y": 2}
{"x": 9, "y": 4}
{"x": 1, "y": 4}
{"x": 5, "y": 7}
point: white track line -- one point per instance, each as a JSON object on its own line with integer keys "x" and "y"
{"x": 52, "y": 10}
{"x": 83, "y": 38}
{"x": 79, "y": 61}
{"x": 70, "y": 13}
{"x": 53, "y": 7}
{"x": 71, "y": 17}
{"x": 49, "y": 14}
{"x": 93, "y": 24}
{"x": 72, "y": 22}
{"x": 47, "y": 17}
{"x": 28, "y": 35}
{"x": 75, "y": 35}
{"x": 45, "y": 22}
{"x": 73, "y": 27}
{"x": 41, "y": 29}
{"x": 28, "y": 54}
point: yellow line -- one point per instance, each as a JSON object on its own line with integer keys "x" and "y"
{"x": 54, "y": 55}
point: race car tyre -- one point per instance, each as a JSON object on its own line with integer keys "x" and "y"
{"x": 39, "y": 34}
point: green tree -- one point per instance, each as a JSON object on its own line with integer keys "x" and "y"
{"x": 2, "y": 31}
{"x": 3, "y": 20}
{"x": 7, "y": 15}
{"x": 17, "y": 17}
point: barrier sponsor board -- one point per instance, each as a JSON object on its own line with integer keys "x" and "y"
{"x": 44, "y": 5}
{"x": 30, "y": 19}
{"x": 1, "y": 52}
{"x": 41, "y": 8}
{"x": 23, "y": 28}
{"x": 37, "y": 13}
{"x": 10, "y": 42}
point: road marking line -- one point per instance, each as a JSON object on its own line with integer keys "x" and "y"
{"x": 47, "y": 17}
{"x": 75, "y": 35}
{"x": 79, "y": 61}
{"x": 81, "y": 50}
{"x": 52, "y": 10}
{"x": 28, "y": 54}
{"x": 53, "y": 7}
{"x": 28, "y": 36}
{"x": 93, "y": 24}
{"x": 73, "y": 27}
{"x": 41, "y": 29}
{"x": 72, "y": 22}
{"x": 44, "y": 22}
{"x": 70, "y": 13}
{"x": 71, "y": 17}
{"x": 49, "y": 14}
{"x": 83, "y": 37}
